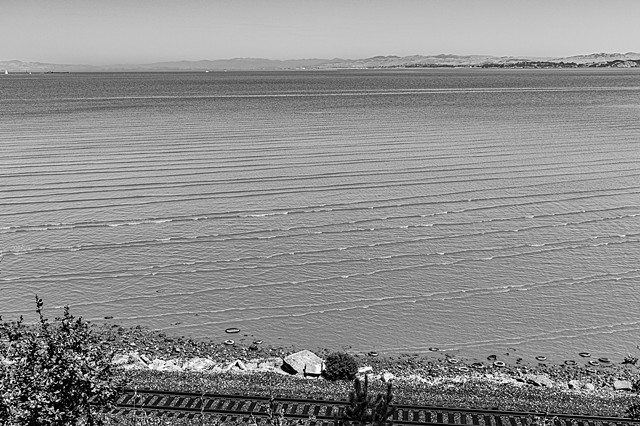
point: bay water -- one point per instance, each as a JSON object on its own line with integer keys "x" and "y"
{"x": 476, "y": 211}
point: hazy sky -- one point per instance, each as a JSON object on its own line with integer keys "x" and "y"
{"x": 142, "y": 31}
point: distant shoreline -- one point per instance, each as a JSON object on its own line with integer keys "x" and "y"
{"x": 597, "y": 60}
{"x": 407, "y": 68}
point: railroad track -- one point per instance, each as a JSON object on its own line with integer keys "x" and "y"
{"x": 323, "y": 412}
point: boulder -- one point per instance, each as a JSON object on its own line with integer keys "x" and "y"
{"x": 589, "y": 387}
{"x": 158, "y": 364}
{"x": 276, "y": 363}
{"x": 267, "y": 365}
{"x": 574, "y": 384}
{"x": 198, "y": 364}
{"x": 251, "y": 365}
{"x": 622, "y": 385}
{"x": 230, "y": 366}
{"x": 387, "y": 377}
{"x": 365, "y": 370}
{"x": 129, "y": 361}
{"x": 172, "y": 365}
{"x": 416, "y": 378}
{"x": 5, "y": 361}
{"x": 539, "y": 380}
{"x": 302, "y": 361}
{"x": 120, "y": 359}
{"x": 313, "y": 370}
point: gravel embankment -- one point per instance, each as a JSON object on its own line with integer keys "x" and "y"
{"x": 431, "y": 379}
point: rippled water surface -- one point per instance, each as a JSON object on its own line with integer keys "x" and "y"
{"x": 388, "y": 210}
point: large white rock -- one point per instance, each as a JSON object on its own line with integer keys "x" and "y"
{"x": 271, "y": 364}
{"x": 574, "y": 384}
{"x": 129, "y": 361}
{"x": 162, "y": 365}
{"x": 302, "y": 361}
{"x": 251, "y": 365}
{"x": 417, "y": 378}
{"x": 5, "y": 361}
{"x": 622, "y": 385}
{"x": 313, "y": 370}
{"x": 172, "y": 365}
{"x": 365, "y": 370}
{"x": 231, "y": 366}
{"x": 157, "y": 364}
{"x": 216, "y": 369}
{"x": 120, "y": 359}
{"x": 198, "y": 364}
{"x": 539, "y": 380}
{"x": 387, "y": 377}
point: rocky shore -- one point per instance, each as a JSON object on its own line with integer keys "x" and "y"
{"x": 146, "y": 354}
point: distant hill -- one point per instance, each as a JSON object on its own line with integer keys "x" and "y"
{"x": 19, "y": 66}
{"x": 602, "y": 58}
{"x": 629, "y": 59}
{"x": 237, "y": 64}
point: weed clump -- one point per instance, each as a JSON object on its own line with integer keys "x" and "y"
{"x": 340, "y": 366}
{"x": 365, "y": 409}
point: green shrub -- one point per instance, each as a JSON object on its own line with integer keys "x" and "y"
{"x": 340, "y": 366}
{"x": 49, "y": 373}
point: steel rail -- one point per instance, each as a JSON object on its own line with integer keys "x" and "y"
{"x": 324, "y": 412}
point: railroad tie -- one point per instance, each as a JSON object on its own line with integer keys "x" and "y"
{"x": 148, "y": 400}
{"x": 209, "y": 403}
{"x": 126, "y": 398}
{"x": 198, "y": 404}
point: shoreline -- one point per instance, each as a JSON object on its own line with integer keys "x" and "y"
{"x": 140, "y": 348}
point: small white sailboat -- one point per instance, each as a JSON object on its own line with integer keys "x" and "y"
{"x": 6, "y": 72}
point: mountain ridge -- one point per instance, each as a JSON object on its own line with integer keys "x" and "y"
{"x": 629, "y": 59}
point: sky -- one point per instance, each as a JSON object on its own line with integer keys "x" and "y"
{"x": 100, "y": 32}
